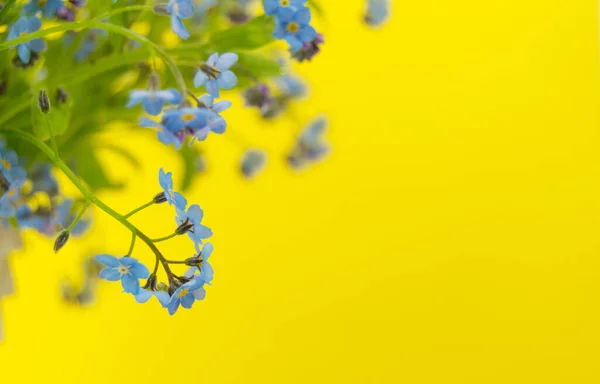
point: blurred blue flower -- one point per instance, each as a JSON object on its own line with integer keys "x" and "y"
{"x": 47, "y": 7}
{"x": 180, "y": 9}
{"x": 253, "y": 162}
{"x": 193, "y": 217}
{"x": 377, "y": 12}
{"x": 291, "y": 86}
{"x": 173, "y": 198}
{"x": 294, "y": 28}
{"x": 126, "y": 269}
{"x": 186, "y": 295}
{"x": 189, "y": 118}
{"x": 215, "y": 73}
{"x": 153, "y": 100}
{"x": 65, "y": 216}
{"x": 164, "y": 135}
{"x": 282, "y": 7}
{"x": 310, "y": 146}
{"x": 22, "y": 27}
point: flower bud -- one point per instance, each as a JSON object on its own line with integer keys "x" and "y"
{"x": 184, "y": 228}
{"x": 160, "y": 198}
{"x": 160, "y": 9}
{"x": 162, "y": 287}
{"x": 61, "y": 240}
{"x": 174, "y": 286}
{"x": 154, "y": 81}
{"x": 150, "y": 283}
{"x": 61, "y": 96}
{"x": 4, "y": 184}
{"x": 195, "y": 261}
{"x": 43, "y": 101}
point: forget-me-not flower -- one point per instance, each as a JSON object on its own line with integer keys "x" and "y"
{"x": 253, "y": 162}
{"x": 186, "y": 295}
{"x": 164, "y": 135}
{"x": 188, "y": 118}
{"x": 294, "y": 28}
{"x": 206, "y": 270}
{"x": 377, "y": 12}
{"x": 22, "y": 27}
{"x": 126, "y": 269}
{"x": 193, "y": 217}
{"x": 165, "y": 180}
{"x": 153, "y": 100}
{"x": 215, "y": 73}
{"x": 180, "y": 9}
{"x": 47, "y": 7}
{"x": 310, "y": 146}
{"x": 145, "y": 294}
{"x": 282, "y": 7}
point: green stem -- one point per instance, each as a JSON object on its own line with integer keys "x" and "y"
{"x": 133, "y": 237}
{"x": 138, "y": 209}
{"x": 74, "y": 223}
{"x": 6, "y": 8}
{"x": 164, "y": 238}
{"x": 52, "y": 138}
{"x": 96, "y": 23}
{"x": 93, "y": 199}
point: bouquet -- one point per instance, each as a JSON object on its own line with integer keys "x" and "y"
{"x": 63, "y": 66}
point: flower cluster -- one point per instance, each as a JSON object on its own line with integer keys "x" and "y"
{"x": 292, "y": 24}
{"x": 96, "y": 63}
{"x": 310, "y": 146}
{"x": 34, "y": 201}
{"x": 181, "y": 290}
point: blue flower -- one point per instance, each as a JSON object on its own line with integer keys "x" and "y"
{"x": 206, "y": 270}
{"x": 377, "y": 12}
{"x": 7, "y": 199}
{"x": 153, "y": 100}
{"x": 215, "y": 123}
{"x": 193, "y": 217}
{"x": 310, "y": 146}
{"x": 282, "y": 7}
{"x": 126, "y": 269}
{"x": 164, "y": 135}
{"x": 253, "y": 162}
{"x": 291, "y": 86}
{"x": 173, "y": 198}
{"x": 294, "y": 28}
{"x": 188, "y": 118}
{"x": 180, "y": 9}
{"x": 186, "y": 295}
{"x": 22, "y": 27}
{"x": 215, "y": 73}
{"x": 47, "y": 7}
{"x": 144, "y": 295}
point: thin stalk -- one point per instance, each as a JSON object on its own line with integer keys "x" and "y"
{"x": 74, "y": 223}
{"x": 164, "y": 238}
{"x": 92, "y": 198}
{"x": 139, "y": 209}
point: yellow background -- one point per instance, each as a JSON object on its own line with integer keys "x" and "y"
{"x": 452, "y": 236}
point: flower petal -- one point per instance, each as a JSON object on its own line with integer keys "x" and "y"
{"x": 226, "y": 61}
{"x": 200, "y": 79}
{"x": 130, "y": 284}
{"x": 227, "y": 80}
{"x": 108, "y": 260}
{"x": 110, "y": 274}
{"x": 187, "y": 301}
{"x": 140, "y": 271}
{"x": 143, "y": 296}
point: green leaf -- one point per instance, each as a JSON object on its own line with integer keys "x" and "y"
{"x": 252, "y": 35}
{"x": 258, "y": 66}
{"x": 91, "y": 171}
{"x": 56, "y": 121}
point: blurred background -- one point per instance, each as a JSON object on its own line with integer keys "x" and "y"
{"x": 451, "y": 236}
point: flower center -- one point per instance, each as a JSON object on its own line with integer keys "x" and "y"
{"x": 187, "y": 117}
{"x": 183, "y": 292}
{"x": 6, "y": 164}
{"x": 210, "y": 71}
{"x": 11, "y": 192}
{"x": 24, "y": 33}
{"x": 284, "y": 3}
{"x": 123, "y": 269}
{"x": 42, "y": 3}
{"x": 293, "y": 27}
